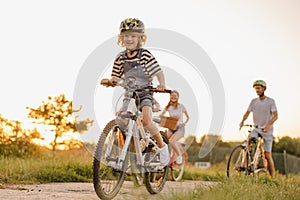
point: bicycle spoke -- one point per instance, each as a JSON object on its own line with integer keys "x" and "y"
{"x": 238, "y": 162}
{"x": 107, "y": 175}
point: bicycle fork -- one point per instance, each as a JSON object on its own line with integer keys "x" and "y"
{"x": 119, "y": 160}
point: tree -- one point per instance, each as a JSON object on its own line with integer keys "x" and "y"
{"x": 57, "y": 112}
{"x": 14, "y": 140}
{"x": 291, "y": 145}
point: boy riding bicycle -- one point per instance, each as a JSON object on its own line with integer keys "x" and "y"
{"x": 139, "y": 63}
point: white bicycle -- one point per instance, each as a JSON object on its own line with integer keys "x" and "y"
{"x": 248, "y": 158}
{"x": 124, "y": 141}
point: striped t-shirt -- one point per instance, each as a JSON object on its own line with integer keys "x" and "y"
{"x": 147, "y": 60}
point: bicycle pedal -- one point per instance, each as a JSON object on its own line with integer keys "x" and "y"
{"x": 160, "y": 169}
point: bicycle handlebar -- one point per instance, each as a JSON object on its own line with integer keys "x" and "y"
{"x": 252, "y": 126}
{"x": 112, "y": 83}
{"x": 152, "y": 89}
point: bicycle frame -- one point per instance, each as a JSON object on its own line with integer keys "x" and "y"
{"x": 259, "y": 154}
{"x": 135, "y": 129}
{"x": 118, "y": 138}
{"x": 173, "y": 154}
{"x": 135, "y": 132}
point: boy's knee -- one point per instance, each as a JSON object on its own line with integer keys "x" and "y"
{"x": 152, "y": 128}
{"x": 146, "y": 123}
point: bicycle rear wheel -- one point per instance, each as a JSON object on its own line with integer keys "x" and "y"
{"x": 107, "y": 176}
{"x": 238, "y": 162}
{"x": 177, "y": 170}
{"x": 155, "y": 179}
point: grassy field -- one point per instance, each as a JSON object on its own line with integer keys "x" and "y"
{"x": 71, "y": 166}
{"x": 263, "y": 187}
{"x": 76, "y": 166}
{"x": 64, "y": 166}
{"x": 278, "y": 188}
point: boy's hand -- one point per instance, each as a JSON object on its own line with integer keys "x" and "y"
{"x": 161, "y": 87}
{"x": 107, "y": 82}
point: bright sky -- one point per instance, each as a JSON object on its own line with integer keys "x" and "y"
{"x": 43, "y": 45}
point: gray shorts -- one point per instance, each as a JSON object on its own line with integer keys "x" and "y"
{"x": 268, "y": 138}
{"x": 141, "y": 99}
{"x": 144, "y": 99}
{"x": 179, "y": 129}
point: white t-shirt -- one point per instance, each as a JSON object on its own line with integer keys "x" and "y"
{"x": 262, "y": 110}
{"x": 178, "y": 113}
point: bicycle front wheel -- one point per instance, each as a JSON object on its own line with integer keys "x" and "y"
{"x": 155, "y": 179}
{"x": 177, "y": 170}
{"x": 238, "y": 162}
{"x": 108, "y": 177}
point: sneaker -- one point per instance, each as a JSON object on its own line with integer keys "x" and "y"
{"x": 164, "y": 156}
{"x": 179, "y": 160}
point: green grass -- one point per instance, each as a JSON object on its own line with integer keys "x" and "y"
{"x": 240, "y": 188}
{"x": 263, "y": 187}
{"x": 76, "y": 166}
{"x": 65, "y": 166}
{"x": 214, "y": 173}
{"x": 248, "y": 188}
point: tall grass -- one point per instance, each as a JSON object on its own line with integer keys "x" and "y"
{"x": 76, "y": 166}
{"x": 64, "y": 166}
{"x": 248, "y": 188}
{"x": 215, "y": 173}
{"x": 263, "y": 187}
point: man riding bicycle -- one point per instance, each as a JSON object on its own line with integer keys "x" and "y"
{"x": 264, "y": 115}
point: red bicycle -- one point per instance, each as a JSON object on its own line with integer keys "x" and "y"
{"x": 176, "y": 166}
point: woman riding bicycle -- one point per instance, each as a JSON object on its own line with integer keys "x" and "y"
{"x": 139, "y": 63}
{"x": 176, "y": 109}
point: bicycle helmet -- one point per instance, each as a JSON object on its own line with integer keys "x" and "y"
{"x": 260, "y": 82}
{"x": 132, "y": 24}
{"x": 176, "y": 92}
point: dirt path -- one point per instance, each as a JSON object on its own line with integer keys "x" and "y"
{"x": 85, "y": 191}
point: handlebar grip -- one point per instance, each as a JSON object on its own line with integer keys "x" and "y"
{"x": 168, "y": 91}
{"x": 114, "y": 83}
{"x": 109, "y": 84}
